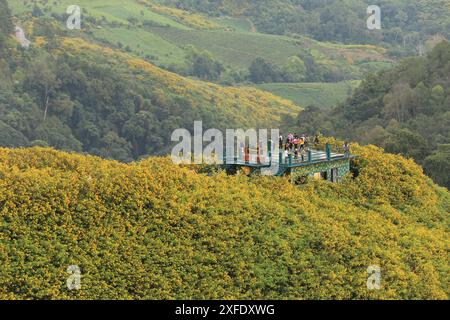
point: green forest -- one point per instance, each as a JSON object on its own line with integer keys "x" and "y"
{"x": 405, "y": 22}
{"x": 405, "y": 110}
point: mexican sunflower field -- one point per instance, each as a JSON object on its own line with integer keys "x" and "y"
{"x": 153, "y": 230}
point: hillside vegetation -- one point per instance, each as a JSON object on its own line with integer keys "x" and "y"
{"x": 153, "y": 230}
{"x": 140, "y": 227}
{"x": 165, "y": 35}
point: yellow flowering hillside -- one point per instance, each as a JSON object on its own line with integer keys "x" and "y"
{"x": 153, "y": 230}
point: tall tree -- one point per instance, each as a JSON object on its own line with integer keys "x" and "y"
{"x": 6, "y": 26}
{"x": 42, "y": 80}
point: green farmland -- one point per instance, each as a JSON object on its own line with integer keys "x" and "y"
{"x": 323, "y": 95}
{"x": 233, "y": 48}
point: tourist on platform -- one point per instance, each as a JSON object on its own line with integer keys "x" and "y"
{"x": 346, "y": 149}
{"x": 295, "y": 142}
{"x": 303, "y": 154}
{"x": 286, "y": 155}
{"x": 258, "y": 156}
{"x": 302, "y": 143}
{"x": 290, "y": 138}
{"x": 291, "y": 142}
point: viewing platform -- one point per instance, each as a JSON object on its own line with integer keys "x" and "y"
{"x": 318, "y": 164}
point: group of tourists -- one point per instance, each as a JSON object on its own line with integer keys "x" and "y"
{"x": 299, "y": 145}
{"x": 295, "y": 144}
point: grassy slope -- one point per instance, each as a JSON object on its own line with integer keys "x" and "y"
{"x": 236, "y": 49}
{"x": 145, "y": 43}
{"x": 152, "y": 230}
{"x": 237, "y": 24}
{"x": 112, "y": 10}
{"x": 324, "y": 95}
